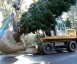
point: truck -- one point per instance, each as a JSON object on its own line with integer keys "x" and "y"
{"x": 65, "y": 38}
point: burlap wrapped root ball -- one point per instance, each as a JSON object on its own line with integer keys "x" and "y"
{"x": 8, "y": 43}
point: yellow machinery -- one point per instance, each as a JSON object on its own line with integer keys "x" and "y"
{"x": 65, "y": 38}
{"x": 60, "y": 38}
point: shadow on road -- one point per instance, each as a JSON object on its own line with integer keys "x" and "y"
{"x": 23, "y": 58}
{"x": 6, "y": 59}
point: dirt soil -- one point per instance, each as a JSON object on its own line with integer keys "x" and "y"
{"x": 8, "y": 43}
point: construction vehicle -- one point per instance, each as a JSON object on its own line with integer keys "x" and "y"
{"x": 64, "y": 39}
{"x": 59, "y": 38}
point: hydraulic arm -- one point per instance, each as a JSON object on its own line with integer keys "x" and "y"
{"x": 16, "y": 6}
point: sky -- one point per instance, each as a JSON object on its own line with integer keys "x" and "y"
{"x": 1, "y": 18}
{"x": 26, "y": 3}
{"x": 64, "y": 16}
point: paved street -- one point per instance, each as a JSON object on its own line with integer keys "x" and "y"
{"x": 54, "y": 58}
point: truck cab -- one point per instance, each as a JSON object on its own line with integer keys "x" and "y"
{"x": 62, "y": 30}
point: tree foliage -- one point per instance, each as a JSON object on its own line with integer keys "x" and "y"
{"x": 72, "y": 15}
{"x": 73, "y": 2}
{"x": 42, "y": 14}
{"x": 68, "y": 23}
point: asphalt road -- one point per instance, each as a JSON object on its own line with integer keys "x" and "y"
{"x": 54, "y": 58}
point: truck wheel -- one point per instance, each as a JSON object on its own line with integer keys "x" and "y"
{"x": 72, "y": 46}
{"x": 47, "y": 48}
{"x": 39, "y": 50}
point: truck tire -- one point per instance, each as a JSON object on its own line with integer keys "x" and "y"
{"x": 72, "y": 46}
{"x": 39, "y": 50}
{"x": 47, "y": 48}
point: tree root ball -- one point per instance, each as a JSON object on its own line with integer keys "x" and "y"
{"x": 8, "y": 43}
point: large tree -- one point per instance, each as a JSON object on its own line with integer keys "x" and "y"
{"x": 43, "y": 13}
